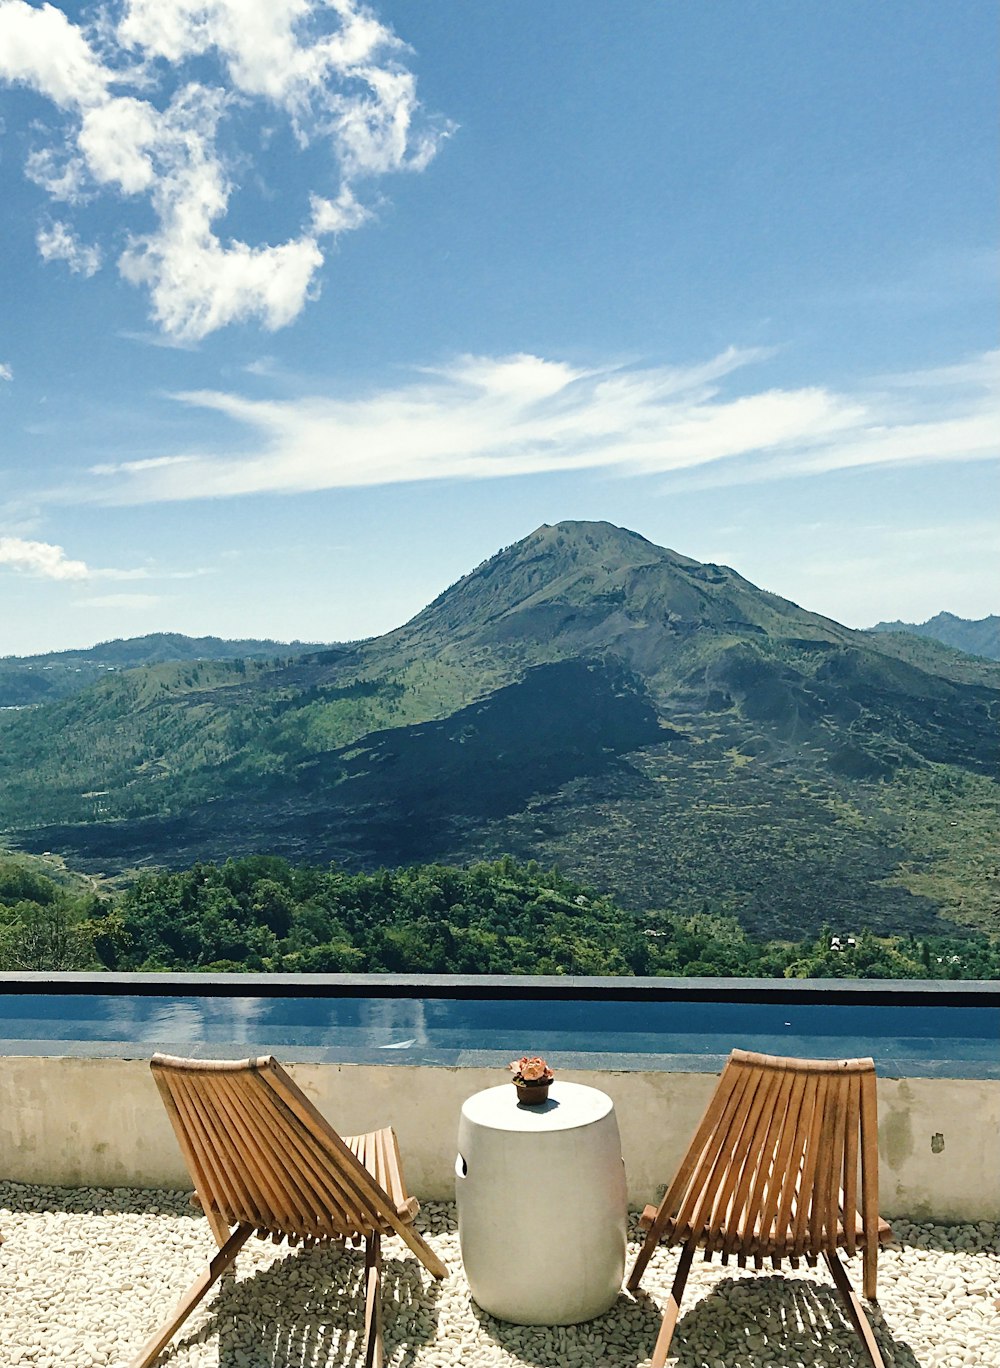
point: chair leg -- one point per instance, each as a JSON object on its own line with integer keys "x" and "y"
{"x": 869, "y": 1260}
{"x": 673, "y": 1308}
{"x": 423, "y": 1251}
{"x": 204, "y": 1281}
{"x": 373, "y": 1300}
{"x": 855, "y": 1310}
{"x": 654, "y": 1234}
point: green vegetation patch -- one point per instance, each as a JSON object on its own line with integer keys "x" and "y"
{"x": 262, "y": 914}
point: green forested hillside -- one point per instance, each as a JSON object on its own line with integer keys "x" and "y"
{"x": 658, "y": 727}
{"x": 28, "y": 680}
{"x": 262, "y": 914}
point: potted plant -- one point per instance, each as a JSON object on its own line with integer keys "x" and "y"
{"x": 532, "y": 1077}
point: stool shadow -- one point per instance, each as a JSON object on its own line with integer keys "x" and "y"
{"x": 629, "y": 1321}
{"x": 308, "y": 1308}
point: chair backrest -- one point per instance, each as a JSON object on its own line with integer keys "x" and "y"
{"x": 260, "y": 1154}
{"x": 776, "y": 1159}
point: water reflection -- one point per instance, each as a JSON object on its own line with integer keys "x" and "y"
{"x": 609, "y": 1034}
{"x": 395, "y": 1023}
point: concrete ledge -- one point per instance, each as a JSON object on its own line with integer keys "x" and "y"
{"x": 78, "y": 1122}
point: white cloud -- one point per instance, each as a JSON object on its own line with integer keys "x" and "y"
{"x": 135, "y": 601}
{"x": 151, "y": 463}
{"x": 44, "y": 560}
{"x": 485, "y": 418}
{"x": 118, "y": 138}
{"x": 57, "y": 242}
{"x": 41, "y": 559}
{"x": 60, "y": 174}
{"x": 144, "y": 106}
{"x": 265, "y": 45}
{"x": 263, "y": 366}
{"x": 198, "y": 286}
{"x": 339, "y": 215}
{"x": 6, "y": 372}
{"x": 42, "y": 49}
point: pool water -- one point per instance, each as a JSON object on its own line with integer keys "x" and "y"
{"x": 906, "y": 1041}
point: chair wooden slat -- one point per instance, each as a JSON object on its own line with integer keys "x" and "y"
{"x": 824, "y": 1201}
{"x": 192, "y": 1158}
{"x": 869, "y": 1181}
{"x": 263, "y": 1158}
{"x": 835, "y": 1226}
{"x": 805, "y": 1193}
{"x": 262, "y": 1155}
{"x": 798, "y": 1140}
{"x": 325, "y": 1212}
{"x": 217, "y": 1194}
{"x": 682, "y": 1183}
{"x": 761, "y": 1204}
{"x": 711, "y": 1164}
{"x": 787, "y": 1163}
{"x": 728, "y": 1178}
{"x": 353, "y": 1186}
{"x": 238, "y": 1176}
{"x": 756, "y": 1161}
{"x": 772, "y": 1172}
{"x": 852, "y": 1125}
{"x": 290, "y": 1097}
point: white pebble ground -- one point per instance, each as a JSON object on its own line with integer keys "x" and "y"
{"x": 86, "y": 1275}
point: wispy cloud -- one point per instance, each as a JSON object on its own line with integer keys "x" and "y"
{"x": 126, "y": 601}
{"x": 493, "y": 417}
{"x": 57, "y": 242}
{"x": 6, "y": 371}
{"x": 145, "y": 106}
{"x": 45, "y": 560}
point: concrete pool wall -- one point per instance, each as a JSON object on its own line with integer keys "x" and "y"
{"x": 79, "y": 1122}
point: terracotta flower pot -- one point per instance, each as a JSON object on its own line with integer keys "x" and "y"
{"x": 532, "y": 1094}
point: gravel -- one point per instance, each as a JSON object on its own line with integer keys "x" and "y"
{"x": 86, "y": 1275}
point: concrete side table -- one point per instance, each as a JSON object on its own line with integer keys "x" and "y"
{"x": 541, "y": 1204}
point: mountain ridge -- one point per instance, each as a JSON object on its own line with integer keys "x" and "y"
{"x": 974, "y": 636}
{"x": 43, "y": 677}
{"x": 790, "y": 754}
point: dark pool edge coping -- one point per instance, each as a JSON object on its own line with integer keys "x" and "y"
{"x": 872, "y": 992}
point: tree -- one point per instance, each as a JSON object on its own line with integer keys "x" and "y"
{"x": 49, "y": 937}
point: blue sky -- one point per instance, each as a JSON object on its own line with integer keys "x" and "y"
{"x": 308, "y": 308}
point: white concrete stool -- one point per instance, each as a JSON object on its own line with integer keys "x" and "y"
{"x": 541, "y": 1204}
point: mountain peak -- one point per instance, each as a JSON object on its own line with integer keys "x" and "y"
{"x": 592, "y": 589}
{"x": 596, "y": 538}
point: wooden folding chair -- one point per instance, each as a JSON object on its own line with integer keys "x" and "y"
{"x": 264, "y": 1161}
{"x": 772, "y": 1173}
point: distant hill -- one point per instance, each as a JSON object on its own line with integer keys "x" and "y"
{"x": 979, "y": 636}
{"x": 660, "y": 728}
{"x": 25, "y": 680}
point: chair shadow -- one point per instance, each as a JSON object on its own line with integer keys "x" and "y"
{"x": 308, "y": 1308}
{"x": 782, "y": 1321}
{"x": 741, "y": 1322}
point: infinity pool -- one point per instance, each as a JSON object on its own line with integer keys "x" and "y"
{"x": 906, "y": 1041}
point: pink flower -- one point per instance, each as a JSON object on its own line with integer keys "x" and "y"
{"x": 530, "y": 1069}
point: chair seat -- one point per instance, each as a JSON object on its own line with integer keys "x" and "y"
{"x": 378, "y": 1151}
{"x": 718, "y": 1238}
